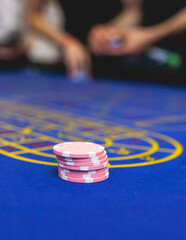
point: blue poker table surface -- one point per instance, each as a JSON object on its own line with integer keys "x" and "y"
{"x": 142, "y": 126}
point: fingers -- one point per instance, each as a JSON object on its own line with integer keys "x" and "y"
{"x": 77, "y": 58}
{"x": 99, "y": 38}
{"x": 96, "y": 47}
{"x": 96, "y": 41}
{"x": 133, "y": 41}
{"x": 71, "y": 66}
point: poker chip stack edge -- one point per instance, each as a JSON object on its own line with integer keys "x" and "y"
{"x": 83, "y": 162}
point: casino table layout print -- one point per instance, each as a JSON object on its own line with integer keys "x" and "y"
{"x": 143, "y": 129}
{"x": 126, "y": 147}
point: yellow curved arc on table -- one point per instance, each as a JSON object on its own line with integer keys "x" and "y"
{"x": 168, "y": 119}
{"x": 27, "y": 159}
{"x": 178, "y": 151}
{"x": 154, "y": 147}
{"x": 152, "y": 150}
{"x": 28, "y": 150}
{"x": 108, "y": 143}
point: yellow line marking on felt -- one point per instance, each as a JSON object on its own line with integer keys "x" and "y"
{"x": 178, "y": 151}
{"x": 152, "y": 150}
{"x": 34, "y": 151}
{"x": 167, "y": 119}
{"x": 27, "y": 159}
{"x": 34, "y": 114}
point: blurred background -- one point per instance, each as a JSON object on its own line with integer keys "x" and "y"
{"x": 123, "y": 39}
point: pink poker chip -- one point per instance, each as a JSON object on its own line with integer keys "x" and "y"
{"x": 84, "y": 168}
{"x": 82, "y": 174}
{"x": 92, "y": 159}
{"x": 85, "y": 177}
{"x": 84, "y": 180}
{"x": 91, "y": 180}
{"x": 78, "y": 149}
{"x": 82, "y": 163}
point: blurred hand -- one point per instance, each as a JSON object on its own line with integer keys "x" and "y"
{"x": 135, "y": 40}
{"x": 76, "y": 56}
{"x": 98, "y": 38}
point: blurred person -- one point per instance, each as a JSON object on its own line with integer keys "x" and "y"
{"x": 13, "y": 44}
{"x": 43, "y": 53}
{"x": 103, "y": 20}
{"x": 141, "y": 24}
{"x": 137, "y": 38}
{"x": 21, "y": 47}
{"x": 80, "y": 18}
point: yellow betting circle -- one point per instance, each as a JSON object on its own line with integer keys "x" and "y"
{"x": 72, "y": 123}
{"x": 154, "y": 147}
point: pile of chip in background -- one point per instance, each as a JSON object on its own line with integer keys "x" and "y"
{"x": 82, "y": 162}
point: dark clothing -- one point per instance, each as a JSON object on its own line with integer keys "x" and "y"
{"x": 157, "y": 11}
{"x": 81, "y": 15}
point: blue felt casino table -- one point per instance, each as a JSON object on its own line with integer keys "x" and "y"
{"x": 143, "y": 128}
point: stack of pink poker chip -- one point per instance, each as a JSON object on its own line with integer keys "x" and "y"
{"x": 83, "y": 162}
